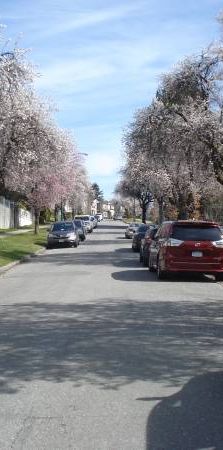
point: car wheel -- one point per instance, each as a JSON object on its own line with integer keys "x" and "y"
{"x": 134, "y": 249}
{"x": 75, "y": 244}
{"x": 161, "y": 274}
{"x": 219, "y": 276}
{"x": 150, "y": 267}
{"x": 144, "y": 261}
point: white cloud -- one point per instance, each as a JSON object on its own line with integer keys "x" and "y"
{"x": 69, "y": 72}
{"x": 90, "y": 17}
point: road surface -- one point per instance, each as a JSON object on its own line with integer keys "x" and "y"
{"x": 96, "y": 354}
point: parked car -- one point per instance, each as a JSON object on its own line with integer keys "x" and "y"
{"x": 138, "y": 235}
{"x": 87, "y": 222}
{"x": 63, "y": 232}
{"x": 99, "y": 217}
{"x": 117, "y": 217}
{"x": 131, "y": 229}
{"x": 79, "y": 224}
{"x": 94, "y": 221}
{"x": 187, "y": 246}
{"x": 145, "y": 245}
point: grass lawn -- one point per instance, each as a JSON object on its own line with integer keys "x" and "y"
{"x": 13, "y": 248}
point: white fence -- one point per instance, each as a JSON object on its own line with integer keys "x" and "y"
{"x": 11, "y": 216}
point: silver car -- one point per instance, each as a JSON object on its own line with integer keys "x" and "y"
{"x": 88, "y": 224}
{"x": 63, "y": 232}
{"x": 131, "y": 229}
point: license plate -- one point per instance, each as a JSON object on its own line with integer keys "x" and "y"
{"x": 61, "y": 240}
{"x": 197, "y": 254}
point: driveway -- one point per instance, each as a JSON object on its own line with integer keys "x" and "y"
{"x": 96, "y": 354}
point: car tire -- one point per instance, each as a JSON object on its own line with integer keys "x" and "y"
{"x": 144, "y": 261}
{"x": 150, "y": 267}
{"x": 134, "y": 249}
{"x": 161, "y": 274}
{"x": 75, "y": 244}
{"x": 219, "y": 277}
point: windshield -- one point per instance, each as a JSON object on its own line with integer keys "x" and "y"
{"x": 64, "y": 226}
{"x": 196, "y": 233}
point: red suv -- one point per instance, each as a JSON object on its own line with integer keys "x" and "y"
{"x": 187, "y": 246}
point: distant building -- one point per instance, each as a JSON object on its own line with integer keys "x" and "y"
{"x": 108, "y": 210}
{"x": 94, "y": 207}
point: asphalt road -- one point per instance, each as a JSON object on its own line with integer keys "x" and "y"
{"x": 96, "y": 354}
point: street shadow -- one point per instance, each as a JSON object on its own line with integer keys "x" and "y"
{"x": 145, "y": 275}
{"x": 124, "y": 250}
{"x": 109, "y": 343}
{"x": 112, "y": 227}
{"x": 134, "y": 275}
{"x": 101, "y": 242}
{"x": 191, "y": 419}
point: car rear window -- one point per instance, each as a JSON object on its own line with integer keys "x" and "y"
{"x": 196, "y": 233}
{"x": 63, "y": 227}
{"x": 142, "y": 228}
{"x": 84, "y": 218}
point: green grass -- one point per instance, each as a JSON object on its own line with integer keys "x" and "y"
{"x": 13, "y": 248}
{"x": 26, "y": 227}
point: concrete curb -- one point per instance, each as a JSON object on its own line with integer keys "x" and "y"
{"x": 24, "y": 259}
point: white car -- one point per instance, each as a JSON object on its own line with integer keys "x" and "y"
{"x": 88, "y": 224}
{"x": 131, "y": 229}
{"x": 99, "y": 217}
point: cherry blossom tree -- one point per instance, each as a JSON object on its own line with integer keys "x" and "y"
{"x": 16, "y": 113}
{"x": 38, "y": 161}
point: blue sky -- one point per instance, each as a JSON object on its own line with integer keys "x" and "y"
{"x": 101, "y": 60}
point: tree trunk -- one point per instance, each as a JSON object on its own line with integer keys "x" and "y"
{"x": 55, "y": 213}
{"x": 36, "y": 215}
{"x": 161, "y": 210}
{"x": 144, "y": 209}
{"x": 134, "y": 209}
{"x": 181, "y": 206}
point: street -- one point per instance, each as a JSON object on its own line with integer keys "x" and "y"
{"x": 96, "y": 354}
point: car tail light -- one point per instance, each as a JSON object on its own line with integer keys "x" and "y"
{"x": 173, "y": 242}
{"x": 218, "y": 244}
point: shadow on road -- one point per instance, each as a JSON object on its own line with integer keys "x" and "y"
{"x": 134, "y": 275}
{"x": 111, "y": 227}
{"x": 109, "y": 343}
{"x": 190, "y": 419}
